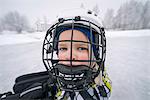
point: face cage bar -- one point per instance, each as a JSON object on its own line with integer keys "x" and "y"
{"x": 54, "y": 27}
{"x": 56, "y": 60}
{"x": 47, "y": 41}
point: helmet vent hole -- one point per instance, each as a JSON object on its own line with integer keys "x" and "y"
{"x": 89, "y": 12}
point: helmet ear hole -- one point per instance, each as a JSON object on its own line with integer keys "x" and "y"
{"x": 50, "y": 49}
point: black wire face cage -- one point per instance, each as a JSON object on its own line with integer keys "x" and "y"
{"x": 74, "y": 77}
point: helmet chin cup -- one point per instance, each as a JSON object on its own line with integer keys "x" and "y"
{"x": 74, "y": 78}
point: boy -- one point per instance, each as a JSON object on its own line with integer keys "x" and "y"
{"x": 74, "y": 51}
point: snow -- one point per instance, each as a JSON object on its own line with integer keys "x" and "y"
{"x": 7, "y": 37}
{"x": 128, "y": 33}
{"x": 127, "y": 61}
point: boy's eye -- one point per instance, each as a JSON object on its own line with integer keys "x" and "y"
{"x": 62, "y": 49}
{"x": 82, "y": 48}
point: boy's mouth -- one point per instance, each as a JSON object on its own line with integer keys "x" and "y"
{"x": 74, "y": 73}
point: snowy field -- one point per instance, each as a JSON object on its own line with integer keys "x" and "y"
{"x": 127, "y": 62}
{"x": 9, "y": 38}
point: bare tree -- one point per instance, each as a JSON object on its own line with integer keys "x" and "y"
{"x": 129, "y": 15}
{"x": 82, "y": 5}
{"x": 109, "y": 18}
{"x": 45, "y": 23}
{"x": 146, "y": 15}
{"x": 13, "y": 21}
{"x": 1, "y": 26}
{"x": 38, "y": 25}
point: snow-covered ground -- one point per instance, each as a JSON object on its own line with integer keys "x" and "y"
{"x": 127, "y": 62}
{"x": 128, "y": 33}
{"x": 7, "y": 37}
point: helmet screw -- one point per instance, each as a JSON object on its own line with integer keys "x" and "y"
{"x": 61, "y": 20}
{"x": 77, "y": 18}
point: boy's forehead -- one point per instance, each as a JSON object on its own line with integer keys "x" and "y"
{"x": 77, "y": 35}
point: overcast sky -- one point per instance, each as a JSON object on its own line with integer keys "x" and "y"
{"x": 34, "y": 9}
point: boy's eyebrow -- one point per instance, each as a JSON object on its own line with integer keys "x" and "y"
{"x": 62, "y": 44}
{"x": 81, "y": 44}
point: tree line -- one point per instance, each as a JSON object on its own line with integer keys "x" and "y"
{"x": 131, "y": 15}
{"x": 13, "y": 21}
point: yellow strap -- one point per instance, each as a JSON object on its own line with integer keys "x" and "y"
{"x": 93, "y": 85}
{"x": 107, "y": 82}
{"x": 58, "y": 93}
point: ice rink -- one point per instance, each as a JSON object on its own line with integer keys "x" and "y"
{"x": 127, "y": 62}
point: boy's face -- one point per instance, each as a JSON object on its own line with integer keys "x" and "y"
{"x": 80, "y": 50}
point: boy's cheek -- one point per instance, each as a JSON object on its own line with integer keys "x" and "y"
{"x": 61, "y": 56}
{"x": 83, "y": 56}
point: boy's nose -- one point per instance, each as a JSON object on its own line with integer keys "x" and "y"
{"x": 71, "y": 55}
